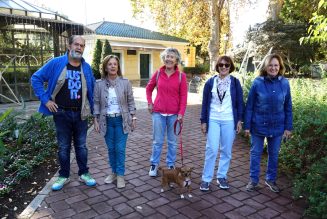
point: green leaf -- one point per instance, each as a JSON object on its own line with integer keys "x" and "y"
{"x": 320, "y": 3}
{"x": 5, "y": 114}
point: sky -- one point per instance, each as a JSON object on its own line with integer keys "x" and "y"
{"x": 248, "y": 16}
{"x": 92, "y": 11}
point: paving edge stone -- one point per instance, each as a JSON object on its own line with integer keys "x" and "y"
{"x": 36, "y": 202}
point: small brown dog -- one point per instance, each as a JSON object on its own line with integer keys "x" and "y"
{"x": 180, "y": 176}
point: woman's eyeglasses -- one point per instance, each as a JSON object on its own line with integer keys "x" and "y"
{"x": 220, "y": 65}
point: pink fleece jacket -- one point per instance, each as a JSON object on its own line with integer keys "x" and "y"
{"x": 171, "y": 94}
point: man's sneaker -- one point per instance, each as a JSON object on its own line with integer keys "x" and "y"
{"x": 111, "y": 178}
{"x": 153, "y": 170}
{"x": 272, "y": 186}
{"x": 222, "y": 183}
{"x": 59, "y": 183}
{"x": 87, "y": 179}
{"x": 171, "y": 167}
{"x": 120, "y": 182}
{"x": 251, "y": 186}
{"x": 204, "y": 186}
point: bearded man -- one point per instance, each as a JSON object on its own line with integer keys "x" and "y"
{"x": 69, "y": 98}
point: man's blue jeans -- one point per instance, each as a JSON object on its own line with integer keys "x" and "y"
{"x": 221, "y": 135}
{"x": 162, "y": 124}
{"x": 116, "y": 143}
{"x": 255, "y": 158}
{"x": 69, "y": 126}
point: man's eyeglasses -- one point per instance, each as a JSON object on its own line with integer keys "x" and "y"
{"x": 220, "y": 65}
{"x": 78, "y": 44}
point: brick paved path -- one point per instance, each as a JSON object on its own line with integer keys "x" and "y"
{"x": 141, "y": 198}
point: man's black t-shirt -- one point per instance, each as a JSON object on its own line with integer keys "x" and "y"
{"x": 70, "y": 95}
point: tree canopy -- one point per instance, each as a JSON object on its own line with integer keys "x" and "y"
{"x": 318, "y": 25}
{"x": 96, "y": 62}
{"x": 206, "y": 24}
{"x": 107, "y": 50}
{"x": 312, "y": 13}
{"x": 187, "y": 19}
{"x": 299, "y": 11}
{"x": 202, "y": 23}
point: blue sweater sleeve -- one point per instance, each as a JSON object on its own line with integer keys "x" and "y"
{"x": 240, "y": 101}
{"x": 204, "y": 110}
{"x": 249, "y": 107}
{"x": 288, "y": 109}
{"x": 90, "y": 86}
{"x": 38, "y": 78}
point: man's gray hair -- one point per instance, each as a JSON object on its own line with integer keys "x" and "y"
{"x": 73, "y": 37}
{"x": 171, "y": 50}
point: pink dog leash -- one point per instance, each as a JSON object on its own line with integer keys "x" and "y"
{"x": 179, "y": 133}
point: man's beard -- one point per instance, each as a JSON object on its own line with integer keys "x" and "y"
{"x": 76, "y": 55}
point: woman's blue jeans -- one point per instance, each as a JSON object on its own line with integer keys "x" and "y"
{"x": 221, "y": 135}
{"x": 162, "y": 124}
{"x": 69, "y": 126}
{"x": 255, "y": 157}
{"x": 116, "y": 143}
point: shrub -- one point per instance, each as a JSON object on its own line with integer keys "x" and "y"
{"x": 203, "y": 81}
{"x": 305, "y": 70}
{"x": 247, "y": 83}
{"x": 315, "y": 187}
{"x": 96, "y": 62}
{"x": 198, "y": 69}
{"x": 304, "y": 155}
{"x": 35, "y": 141}
{"x": 107, "y": 50}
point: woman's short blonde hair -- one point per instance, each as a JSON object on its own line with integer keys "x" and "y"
{"x": 105, "y": 61}
{"x": 266, "y": 62}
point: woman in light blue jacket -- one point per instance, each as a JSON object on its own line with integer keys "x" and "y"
{"x": 268, "y": 115}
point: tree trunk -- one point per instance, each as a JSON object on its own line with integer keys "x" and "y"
{"x": 215, "y": 7}
{"x": 274, "y": 9}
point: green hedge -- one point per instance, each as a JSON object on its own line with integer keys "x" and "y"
{"x": 198, "y": 69}
{"x": 304, "y": 155}
{"x": 22, "y": 74}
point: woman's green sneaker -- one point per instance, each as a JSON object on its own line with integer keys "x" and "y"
{"x": 60, "y": 182}
{"x": 87, "y": 179}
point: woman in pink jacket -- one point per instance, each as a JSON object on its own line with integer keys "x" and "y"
{"x": 169, "y": 106}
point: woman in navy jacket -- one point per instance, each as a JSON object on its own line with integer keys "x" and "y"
{"x": 221, "y": 115}
{"x": 268, "y": 115}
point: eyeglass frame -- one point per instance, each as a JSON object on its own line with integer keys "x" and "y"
{"x": 227, "y": 65}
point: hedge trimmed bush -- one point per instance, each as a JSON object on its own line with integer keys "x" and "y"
{"x": 304, "y": 156}
{"x": 198, "y": 69}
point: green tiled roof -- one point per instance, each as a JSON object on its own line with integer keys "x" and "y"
{"x": 129, "y": 31}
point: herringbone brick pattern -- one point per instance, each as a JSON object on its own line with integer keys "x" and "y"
{"x": 141, "y": 198}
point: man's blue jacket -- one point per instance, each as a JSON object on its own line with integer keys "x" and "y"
{"x": 50, "y": 73}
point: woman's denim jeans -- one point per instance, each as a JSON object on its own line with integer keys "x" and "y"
{"x": 256, "y": 152}
{"x": 162, "y": 124}
{"x": 116, "y": 143}
{"x": 220, "y": 133}
{"x": 69, "y": 126}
